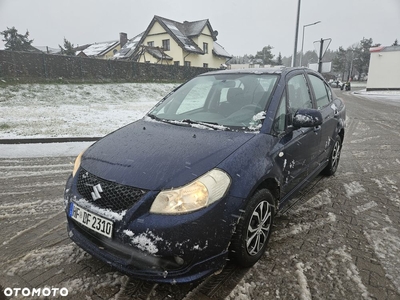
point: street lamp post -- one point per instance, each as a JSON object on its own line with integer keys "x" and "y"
{"x": 302, "y": 42}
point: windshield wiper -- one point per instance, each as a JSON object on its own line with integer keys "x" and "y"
{"x": 211, "y": 125}
{"x": 154, "y": 117}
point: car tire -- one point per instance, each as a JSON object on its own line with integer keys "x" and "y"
{"x": 254, "y": 229}
{"x": 334, "y": 157}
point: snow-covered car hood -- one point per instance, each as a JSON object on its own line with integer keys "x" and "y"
{"x": 154, "y": 155}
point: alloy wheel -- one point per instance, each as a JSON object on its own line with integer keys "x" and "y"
{"x": 335, "y": 154}
{"x": 258, "y": 228}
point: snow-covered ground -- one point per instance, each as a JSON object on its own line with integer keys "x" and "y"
{"x": 386, "y": 96}
{"x": 72, "y": 110}
{"x": 65, "y": 110}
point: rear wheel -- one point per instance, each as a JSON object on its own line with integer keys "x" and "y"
{"x": 333, "y": 163}
{"x": 254, "y": 229}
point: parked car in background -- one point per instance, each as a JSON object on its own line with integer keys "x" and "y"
{"x": 336, "y": 83}
{"x": 199, "y": 179}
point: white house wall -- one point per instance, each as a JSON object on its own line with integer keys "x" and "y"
{"x": 157, "y": 34}
{"x": 209, "y": 58}
{"x": 384, "y": 70}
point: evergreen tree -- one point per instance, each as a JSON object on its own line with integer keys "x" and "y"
{"x": 68, "y": 48}
{"x": 395, "y": 43}
{"x": 360, "y": 56}
{"x": 339, "y": 62}
{"x": 279, "y": 60}
{"x": 15, "y": 41}
{"x": 309, "y": 57}
{"x": 265, "y": 55}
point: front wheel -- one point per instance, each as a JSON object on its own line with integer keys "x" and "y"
{"x": 254, "y": 229}
{"x": 333, "y": 163}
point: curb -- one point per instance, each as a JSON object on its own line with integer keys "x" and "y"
{"x": 49, "y": 140}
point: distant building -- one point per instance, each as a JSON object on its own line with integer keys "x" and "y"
{"x": 253, "y": 63}
{"x": 127, "y": 51}
{"x": 169, "y": 42}
{"x": 48, "y": 50}
{"x": 104, "y": 50}
{"x": 384, "y": 68}
{"x": 30, "y": 48}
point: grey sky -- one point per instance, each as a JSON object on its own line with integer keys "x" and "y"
{"x": 244, "y": 26}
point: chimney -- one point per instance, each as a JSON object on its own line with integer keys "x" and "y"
{"x": 123, "y": 38}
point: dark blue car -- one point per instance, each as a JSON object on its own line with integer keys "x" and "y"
{"x": 198, "y": 180}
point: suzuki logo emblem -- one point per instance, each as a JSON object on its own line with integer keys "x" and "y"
{"x": 96, "y": 192}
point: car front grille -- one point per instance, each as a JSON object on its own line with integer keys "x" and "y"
{"x": 110, "y": 195}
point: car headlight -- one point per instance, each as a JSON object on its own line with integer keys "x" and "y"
{"x": 77, "y": 163}
{"x": 198, "y": 194}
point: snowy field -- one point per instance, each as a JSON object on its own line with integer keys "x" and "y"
{"x": 70, "y": 110}
{"x": 73, "y": 110}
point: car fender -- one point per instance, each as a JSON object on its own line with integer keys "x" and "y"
{"x": 249, "y": 165}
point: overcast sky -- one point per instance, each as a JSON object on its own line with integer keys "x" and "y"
{"x": 244, "y": 26}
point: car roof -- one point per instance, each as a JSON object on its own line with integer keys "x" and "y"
{"x": 270, "y": 70}
{"x": 277, "y": 70}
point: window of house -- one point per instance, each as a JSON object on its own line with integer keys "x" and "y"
{"x": 176, "y": 63}
{"x": 205, "y": 65}
{"x": 187, "y": 63}
{"x": 166, "y": 45}
{"x": 151, "y": 44}
{"x": 205, "y": 47}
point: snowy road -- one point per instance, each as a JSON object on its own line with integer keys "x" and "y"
{"x": 36, "y": 251}
{"x": 339, "y": 239}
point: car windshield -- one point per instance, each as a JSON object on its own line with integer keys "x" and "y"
{"x": 222, "y": 101}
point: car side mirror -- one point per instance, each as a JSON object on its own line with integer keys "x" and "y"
{"x": 307, "y": 118}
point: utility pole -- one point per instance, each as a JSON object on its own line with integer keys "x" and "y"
{"x": 320, "y": 56}
{"x": 296, "y": 35}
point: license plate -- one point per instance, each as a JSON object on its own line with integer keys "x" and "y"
{"x": 90, "y": 220}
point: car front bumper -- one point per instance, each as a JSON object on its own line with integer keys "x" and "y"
{"x": 160, "y": 248}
